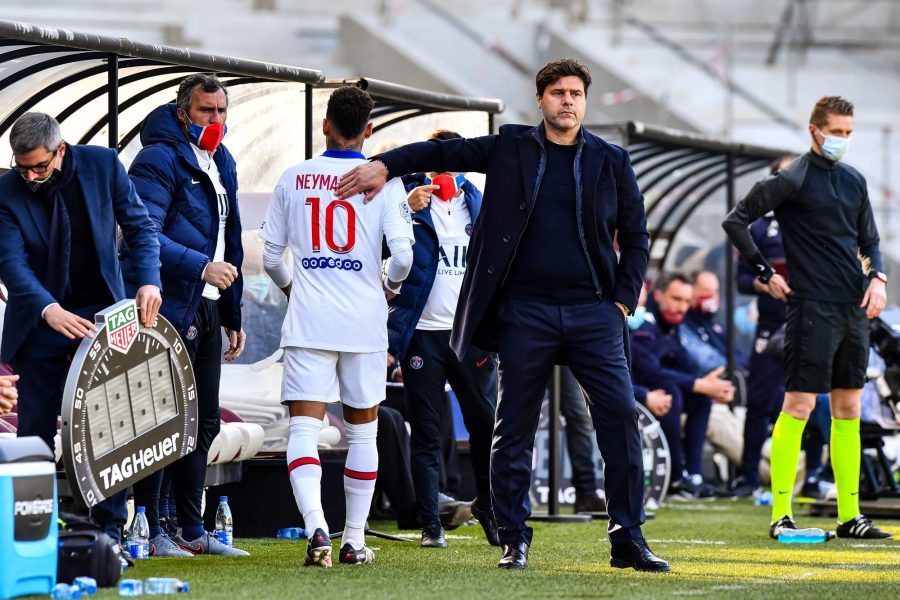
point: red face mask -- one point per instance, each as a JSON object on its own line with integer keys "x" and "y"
{"x": 670, "y": 317}
{"x": 207, "y": 138}
{"x": 447, "y": 189}
{"x": 707, "y": 304}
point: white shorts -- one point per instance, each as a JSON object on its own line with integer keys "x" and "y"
{"x": 355, "y": 378}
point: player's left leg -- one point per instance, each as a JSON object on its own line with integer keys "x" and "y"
{"x": 361, "y": 378}
{"x": 845, "y": 450}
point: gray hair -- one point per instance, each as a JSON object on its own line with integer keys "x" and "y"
{"x": 33, "y": 130}
{"x": 207, "y": 82}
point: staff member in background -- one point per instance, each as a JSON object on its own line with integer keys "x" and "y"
{"x": 836, "y": 285}
{"x": 765, "y": 381}
{"x": 60, "y": 205}
{"x": 419, "y": 324}
{"x": 544, "y": 286}
{"x": 188, "y": 181}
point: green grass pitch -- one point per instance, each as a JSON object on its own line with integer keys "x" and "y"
{"x": 717, "y": 550}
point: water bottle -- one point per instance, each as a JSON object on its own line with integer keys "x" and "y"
{"x": 291, "y": 533}
{"x": 224, "y": 523}
{"x": 131, "y": 587}
{"x": 164, "y": 585}
{"x": 811, "y": 535}
{"x": 88, "y": 585}
{"x": 763, "y": 499}
{"x": 64, "y": 590}
{"x": 139, "y": 536}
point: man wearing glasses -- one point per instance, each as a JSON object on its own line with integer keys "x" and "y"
{"x": 59, "y": 208}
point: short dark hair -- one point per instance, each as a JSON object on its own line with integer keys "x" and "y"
{"x": 666, "y": 278}
{"x": 207, "y": 82}
{"x": 443, "y": 134}
{"x": 556, "y": 69}
{"x": 830, "y": 105}
{"x": 348, "y": 111}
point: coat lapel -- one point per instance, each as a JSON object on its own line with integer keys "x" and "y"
{"x": 92, "y": 202}
{"x": 38, "y": 212}
{"x": 529, "y": 159}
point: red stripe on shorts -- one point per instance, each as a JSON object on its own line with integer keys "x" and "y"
{"x": 307, "y": 460}
{"x": 360, "y": 474}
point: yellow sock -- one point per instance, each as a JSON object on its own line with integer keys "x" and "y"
{"x": 785, "y": 454}
{"x": 845, "y": 457}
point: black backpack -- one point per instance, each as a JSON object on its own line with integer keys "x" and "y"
{"x": 85, "y": 551}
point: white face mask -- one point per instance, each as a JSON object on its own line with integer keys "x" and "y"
{"x": 834, "y": 148}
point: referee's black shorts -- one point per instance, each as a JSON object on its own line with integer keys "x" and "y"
{"x": 826, "y": 346}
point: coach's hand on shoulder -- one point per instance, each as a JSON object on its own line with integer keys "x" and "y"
{"x": 420, "y": 197}
{"x": 69, "y": 324}
{"x": 236, "y": 341}
{"x": 712, "y": 385}
{"x": 220, "y": 274}
{"x": 369, "y": 178}
{"x": 148, "y": 301}
{"x": 9, "y": 396}
{"x": 778, "y": 287}
{"x": 875, "y": 299}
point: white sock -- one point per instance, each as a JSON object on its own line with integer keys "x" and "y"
{"x": 305, "y": 471}
{"x": 360, "y": 472}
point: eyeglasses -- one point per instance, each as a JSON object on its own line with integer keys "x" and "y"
{"x": 38, "y": 169}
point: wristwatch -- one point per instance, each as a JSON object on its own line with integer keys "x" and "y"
{"x": 879, "y": 275}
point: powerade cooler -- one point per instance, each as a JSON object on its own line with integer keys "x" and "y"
{"x": 28, "y": 527}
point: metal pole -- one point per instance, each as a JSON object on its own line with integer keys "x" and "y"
{"x": 553, "y": 477}
{"x": 112, "y": 94}
{"x": 728, "y": 284}
{"x": 308, "y": 120}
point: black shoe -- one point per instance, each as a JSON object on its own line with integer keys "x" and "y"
{"x": 318, "y": 550}
{"x": 589, "y": 502}
{"x": 742, "y": 489}
{"x": 781, "y": 524}
{"x": 515, "y": 556}
{"x": 687, "y": 490}
{"x": 351, "y": 556}
{"x": 125, "y": 556}
{"x": 433, "y": 537}
{"x": 861, "y": 528}
{"x": 636, "y": 554}
{"x": 488, "y": 523}
{"x": 454, "y": 513}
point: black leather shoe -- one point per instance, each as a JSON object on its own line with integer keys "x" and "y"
{"x": 637, "y": 555}
{"x": 515, "y": 556}
{"x": 485, "y": 516}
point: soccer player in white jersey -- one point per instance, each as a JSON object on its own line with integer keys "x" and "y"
{"x": 335, "y": 332}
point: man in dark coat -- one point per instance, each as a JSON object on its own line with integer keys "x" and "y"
{"x": 544, "y": 286}
{"x": 60, "y": 206}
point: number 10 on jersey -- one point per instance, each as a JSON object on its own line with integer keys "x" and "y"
{"x": 350, "y": 238}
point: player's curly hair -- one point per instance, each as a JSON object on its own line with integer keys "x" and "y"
{"x": 348, "y": 111}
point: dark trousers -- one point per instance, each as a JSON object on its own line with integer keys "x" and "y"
{"x": 43, "y": 364}
{"x": 474, "y": 380}
{"x": 765, "y": 396}
{"x": 189, "y": 472}
{"x": 579, "y": 433}
{"x": 396, "y": 482}
{"x": 589, "y": 338}
{"x": 685, "y": 443}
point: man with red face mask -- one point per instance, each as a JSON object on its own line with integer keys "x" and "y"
{"x": 702, "y": 335}
{"x": 188, "y": 181}
{"x": 661, "y": 362}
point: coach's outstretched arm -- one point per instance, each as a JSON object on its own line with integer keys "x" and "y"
{"x": 458, "y": 155}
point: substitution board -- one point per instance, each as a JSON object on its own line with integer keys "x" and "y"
{"x": 129, "y": 406}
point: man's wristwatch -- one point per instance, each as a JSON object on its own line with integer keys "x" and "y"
{"x": 879, "y": 275}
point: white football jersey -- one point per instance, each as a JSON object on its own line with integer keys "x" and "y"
{"x": 337, "y": 302}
